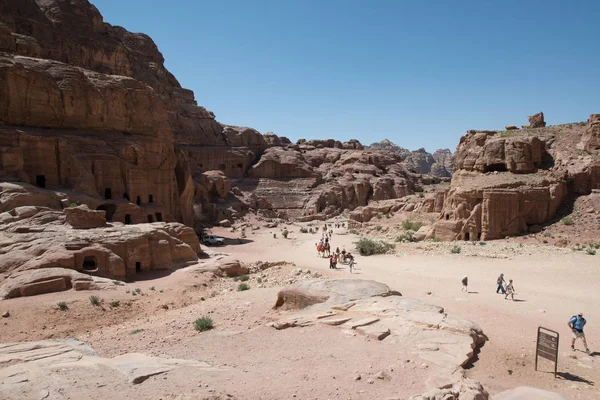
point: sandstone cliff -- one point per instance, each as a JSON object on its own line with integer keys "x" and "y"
{"x": 511, "y": 182}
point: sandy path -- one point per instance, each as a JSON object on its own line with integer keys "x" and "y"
{"x": 550, "y": 290}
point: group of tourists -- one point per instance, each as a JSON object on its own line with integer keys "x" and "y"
{"x": 507, "y": 289}
{"x": 324, "y": 249}
{"x": 576, "y": 322}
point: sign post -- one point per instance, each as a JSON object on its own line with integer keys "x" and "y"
{"x": 547, "y": 347}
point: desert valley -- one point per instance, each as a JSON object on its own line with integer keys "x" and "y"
{"x": 149, "y": 251}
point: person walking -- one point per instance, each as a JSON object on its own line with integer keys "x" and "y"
{"x": 351, "y": 264}
{"x": 465, "y": 283}
{"x": 576, "y": 324}
{"x": 510, "y": 290}
{"x": 500, "y": 281}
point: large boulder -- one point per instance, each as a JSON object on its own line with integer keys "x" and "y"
{"x": 81, "y": 217}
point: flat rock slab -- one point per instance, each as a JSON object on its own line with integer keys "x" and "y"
{"x": 25, "y": 363}
{"x": 376, "y": 331}
{"x": 363, "y": 322}
{"x": 335, "y": 321}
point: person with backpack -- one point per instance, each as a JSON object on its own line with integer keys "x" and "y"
{"x": 576, "y": 324}
{"x": 500, "y": 281}
{"x": 465, "y": 283}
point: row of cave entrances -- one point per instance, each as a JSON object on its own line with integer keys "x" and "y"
{"x": 138, "y": 200}
{"x": 90, "y": 264}
{"x": 110, "y": 210}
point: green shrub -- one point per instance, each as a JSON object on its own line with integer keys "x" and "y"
{"x": 243, "y": 286}
{"x": 95, "y": 300}
{"x": 285, "y": 233}
{"x": 213, "y": 294}
{"x": 411, "y": 226}
{"x": 138, "y": 290}
{"x": 152, "y": 288}
{"x": 242, "y": 278}
{"x": 368, "y": 247}
{"x": 203, "y": 324}
{"x": 115, "y": 304}
{"x": 136, "y": 331}
{"x": 482, "y": 243}
{"x": 406, "y": 237}
{"x": 259, "y": 280}
{"x": 62, "y": 306}
{"x": 455, "y": 250}
{"x": 353, "y": 232}
{"x": 567, "y": 221}
{"x": 304, "y": 230}
{"x": 437, "y": 240}
{"x": 378, "y": 228}
{"x": 591, "y": 251}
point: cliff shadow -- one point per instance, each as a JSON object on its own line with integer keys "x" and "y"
{"x": 237, "y": 241}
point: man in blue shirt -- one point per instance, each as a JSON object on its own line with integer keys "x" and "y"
{"x": 576, "y": 323}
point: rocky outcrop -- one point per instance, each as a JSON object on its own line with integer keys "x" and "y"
{"x": 536, "y": 121}
{"x": 508, "y": 183}
{"x": 439, "y": 164}
{"x": 488, "y": 151}
{"x": 373, "y": 310}
{"x": 590, "y": 140}
{"x": 44, "y": 240}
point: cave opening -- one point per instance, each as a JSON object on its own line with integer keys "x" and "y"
{"x": 138, "y": 266}
{"x": 40, "y": 180}
{"x": 138, "y": 200}
{"x": 150, "y": 198}
{"x": 499, "y": 167}
{"x": 127, "y": 219}
{"x": 159, "y": 217}
{"x": 467, "y": 236}
{"x": 126, "y": 196}
{"x": 107, "y": 193}
{"x": 150, "y": 218}
{"x": 89, "y": 264}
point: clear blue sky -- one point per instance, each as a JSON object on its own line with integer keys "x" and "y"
{"x": 417, "y": 72}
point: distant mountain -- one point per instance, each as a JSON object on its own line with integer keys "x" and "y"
{"x": 440, "y": 163}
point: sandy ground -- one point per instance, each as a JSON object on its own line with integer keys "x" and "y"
{"x": 552, "y": 284}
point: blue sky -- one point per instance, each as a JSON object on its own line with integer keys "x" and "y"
{"x": 417, "y": 72}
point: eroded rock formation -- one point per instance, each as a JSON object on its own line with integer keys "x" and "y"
{"x": 439, "y": 164}
{"x": 508, "y": 183}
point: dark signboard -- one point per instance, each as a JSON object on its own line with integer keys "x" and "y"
{"x": 547, "y": 347}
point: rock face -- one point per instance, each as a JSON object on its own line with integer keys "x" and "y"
{"x": 590, "y": 141}
{"x": 510, "y": 183}
{"x": 375, "y": 311}
{"x": 439, "y": 164}
{"x": 84, "y": 218}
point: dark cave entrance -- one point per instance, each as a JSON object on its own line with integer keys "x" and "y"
{"x": 40, "y": 180}
{"x": 89, "y": 264}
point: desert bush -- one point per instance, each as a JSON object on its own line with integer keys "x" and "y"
{"x": 95, "y": 300}
{"x": 368, "y": 247}
{"x": 378, "y": 228}
{"x": 411, "y": 226}
{"x": 243, "y": 286}
{"x": 420, "y": 195}
{"x": 436, "y": 240}
{"x": 136, "y": 331}
{"x": 353, "y": 232}
{"x": 591, "y": 251}
{"x": 242, "y": 278}
{"x": 303, "y": 230}
{"x": 213, "y": 294}
{"x": 115, "y": 304}
{"x": 152, "y": 288}
{"x": 62, "y": 306}
{"x": 259, "y": 280}
{"x": 203, "y": 324}
{"x": 138, "y": 290}
{"x": 567, "y": 221}
{"x": 482, "y": 243}
{"x": 455, "y": 250}
{"x": 405, "y": 237}
{"x": 285, "y": 233}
